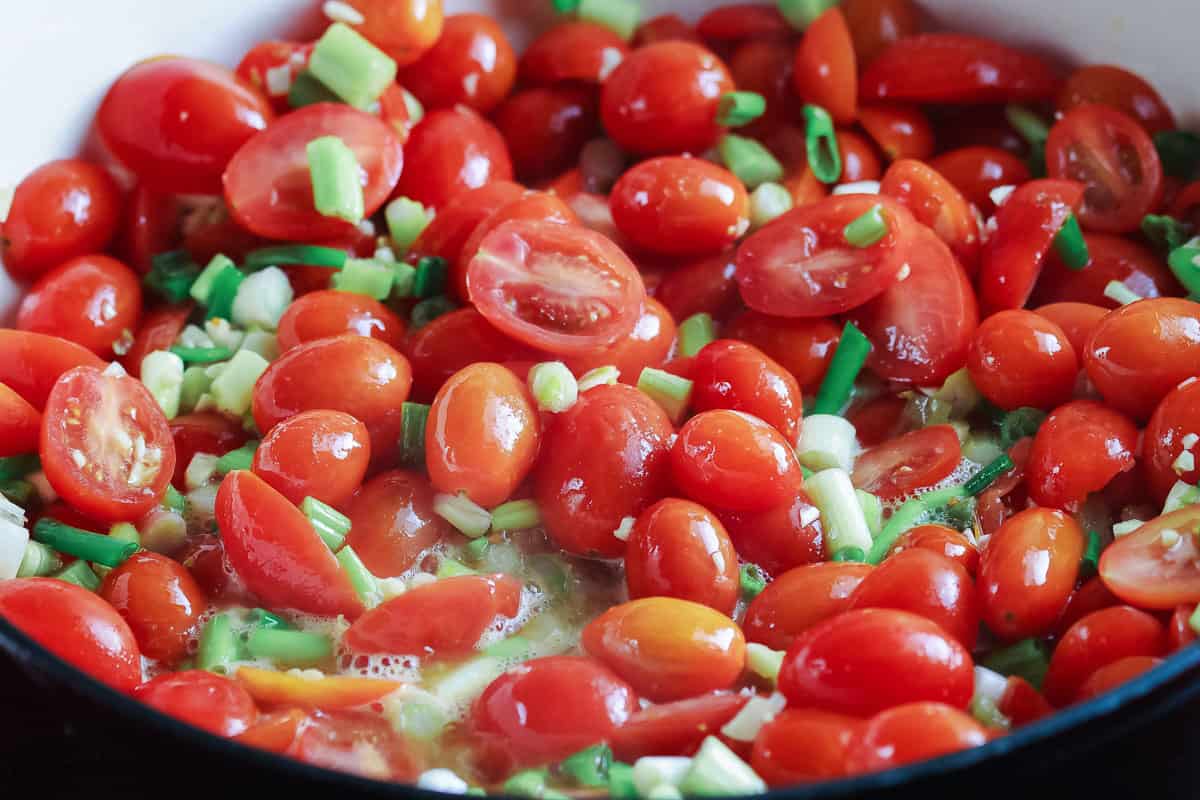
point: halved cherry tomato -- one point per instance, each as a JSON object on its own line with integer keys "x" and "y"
{"x": 208, "y": 701}
{"x": 1113, "y": 675}
{"x": 1112, "y": 258}
{"x": 1177, "y": 416}
{"x": 158, "y": 331}
{"x": 271, "y": 57}
{"x": 675, "y": 728}
{"x": 941, "y": 540}
{"x": 912, "y": 732}
{"x": 457, "y": 219}
{"x": 1096, "y": 641}
{"x": 1019, "y": 358}
{"x": 393, "y": 522}
{"x": 1150, "y": 570}
{"x": 824, "y": 72}
{"x": 783, "y": 537}
{"x": 799, "y": 599}
{"x": 901, "y": 466}
{"x": 160, "y": 600}
{"x": 680, "y": 549}
{"x": 901, "y": 131}
{"x": 573, "y": 51}
{"x": 1114, "y": 158}
{"x": 92, "y": 300}
{"x": 472, "y": 63}
{"x": 546, "y": 128}
{"x": 320, "y": 454}
{"x": 203, "y": 432}
{"x": 1077, "y": 321}
{"x": 329, "y": 313}
{"x": 359, "y": 742}
{"x": 452, "y": 151}
{"x": 705, "y": 285}
{"x": 21, "y": 423}
{"x": 927, "y": 584}
{"x": 875, "y": 24}
{"x": 648, "y": 345}
{"x": 978, "y": 170}
{"x": 1079, "y": 448}
{"x": 31, "y": 363}
{"x": 1120, "y": 89}
{"x": 327, "y": 692}
{"x": 268, "y": 185}
{"x": 802, "y": 746}
{"x": 75, "y": 625}
{"x": 935, "y": 201}
{"x": 804, "y": 347}
{"x": 404, "y": 29}
{"x": 274, "y": 549}
{"x": 454, "y": 341}
{"x": 734, "y": 375}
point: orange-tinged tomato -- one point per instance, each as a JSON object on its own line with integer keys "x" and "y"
{"x": 901, "y": 131}
{"x": 160, "y": 600}
{"x": 392, "y": 522}
{"x": 675, "y": 728}
{"x": 803, "y": 746}
{"x": 948, "y": 542}
{"x": 1152, "y": 569}
{"x": 212, "y": 702}
{"x": 319, "y": 454}
{"x": 320, "y": 314}
{"x": 680, "y": 549}
{"x": 799, "y": 599}
{"x": 275, "y": 731}
{"x": 912, "y": 732}
{"x": 1077, "y": 321}
{"x": 1097, "y": 640}
{"x": 404, "y": 29}
{"x": 824, "y": 72}
{"x": 328, "y": 692}
{"x": 1079, "y": 448}
{"x": 936, "y": 202}
{"x": 927, "y": 584}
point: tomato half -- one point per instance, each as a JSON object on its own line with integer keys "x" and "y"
{"x": 914, "y": 460}
{"x": 1121, "y": 89}
{"x": 675, "y": 728}
{"x": 1150, "y": 570}
{"x": 1111, "y": 258}
{"x": 21, "y": 423}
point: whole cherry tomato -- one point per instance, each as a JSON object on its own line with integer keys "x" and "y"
{"x": 21, "y": 423}
{"x": 454, "y": 341}
{"x": 546, "y": 128}
{"x": 675, "y": 728}
{"x": 648, "y": 345}
{"x": 912, "y": 732}
{"x": 901, "y": 131}
{"x": 664, "y": 28}
{"x": 743, "y": 21}
{"x": 208, "y": 701}
{"x": 927, "y": 584}
{"x": 158, "y": 330}
{"x": 915, "y": 460}
{"x": 977, "y": 170}
{"x": 573, "y": 51}
{"x": 150, "y": 225}
{"x": 160, "y": 600}
{"x": 941, "y": 540}
{"x": 1152, "y": 569}
{"x": 359, "y": 742}
{"x": 320, "y": 454}
{"x": 1092, "y": 595}
{"x": 1113, "y": 675}
{"x": 799, "y": 599}
{"x": 1019, "y": 358}
{"x": 1177, "y": 417}
{"x": 804, "y": 347}
{"x": 704, "y": 285}
{"x": 935, "y": 201}
{"x": 404, "y": 29}
{"x": 1079, "y": 448}
{"x": 733, "y": 375}
{"x": 680, "y": 549}
{"x": 31, "y": 363}
{"x": 1121, "y": 89}
{"x": 1096, "y": 641}
{"x": 1077, "y": 321}
{"x": 392, "y": 522}
{"x": 472, "y": 63}
{"x": 452, "y": 151}
{"x": 859, "y": 159}
{"x": 329, "y": 313}
{"x": 803, "y": 746}
{"x": 875, "y": 24}
{"x": 764, "y": 66}
{"x": 1111, "y": 258}
{"x": 879, "y": 419}
{"x": 92, "y": 300}
{"x": 824, "y": 72}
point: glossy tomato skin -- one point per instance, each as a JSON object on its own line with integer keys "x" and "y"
{"x": 648, "y": 345}
{"x": 546, "y": 128}
{"x": 912, "y": 732}
{"x": 75, "y": 625}
{"x": 878, "y": 420}
{"x": 1092, "y": 595}
{"x": 939, "y": 539}
{"x": 1097, "y": 640}
{"x": 978, "y": 169}
{"x": 927, "y": 584}
{"x": 404, "y": 29}
{"x": 665, "y": 28}
{"x": 1112, "y": 258}
{"x": 573, "y": 51}
{"x": 452, "y": 151}
{"x": 875, "y": 24}
{"x": 1077, "y": 321}
{"x": 159, "y": 329}
{"x": 61, "y": 210}
{"x": 801, "y": 598}
{"x": 176, "y": 122}
{"x": 91, "y": 300}
{"x": 935, "y": 201}
{"x": 803, "y": 746}
{"x": 605, "y": 458}
{"x": 703, "y": 285}
{"x": 203, "y": 432}
{"x": 901, "y": 131}
{"x": 1177, "y": 416}
{"x": 393, "y": 522}
{"x": 734, "y": 375}
{"x": 764, "y": 66}
{"x": 453, "y": 342}
{"x": 1019, "y": 601}
{"x": 675, "y": 728}
{"x": 1149, "y": 572}
{"x": 359, "y": 742}
{"x": 786, "y": 536}
{"x": 680, "y": 549}
{"x": 320, "y": 454}
{"x": 1121, "y": 89}
{"x": 21, "y": 423}
{"x": 320, "y": 314}
{"x": 212, "y": 702}
{"x": 804, "y": 347}
{"x": 1079, "y": 448}
{"x": 668, "y": 649}
{"x": 910, "y": 462}
{"x": 841, "y": 664}
{"x": 472, "y": 63}
{"x": 824, "y": 72}
{"x": 448, "y": 232}
{"x": 859, "y": 159}
{"x": 160, "y": 600}
{"x": 1019, "y": 358}
{"x": 1113, "y": 675}
{"x": 273, "y": 55}
{"x": 149, "y": 226}
{"x": 276, "y": 552}
{"x": 662, "y": 99}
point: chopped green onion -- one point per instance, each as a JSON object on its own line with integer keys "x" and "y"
{"x": 38, "y": 560}
{"x": 233, "y": 389}
{"x": 872, "y": 508}
{"x": 868, "y": 229}
{"x": 469, "y": 518}
{"x": 1032, "y": 128}
{"x": 987, "y": 713}
{"x": 910, "y": 514}
{"x": 600, "y": 376}
{"x": 416, "y": 111}
{"x": 695, "y": 332}
{"x": 1120, "y": 293}
{"x": 262, "y": 618}
{"x": 477, "y": 548}
{"x": 842, "y": 517}
{"x": 1164, "y": 232}
{"x": 736, "y": 109}
{"x": 16, "y": 467}
{"x": 1019, "y": 423}
{"x": 848, "y": 360}
{"x": 431, "y": 276}
{"x": 84, "y": 545}
{"x": 80, "y": 574}
{"x": 763, "y": 661}
{"x": 224, "y": 291}
{"x": 289, "y": 647}
{"x": 350, "y": 66}
{"x": 126, "y": 533}
{"x": 1181, "y": 495}
{"x": 850, "y": 554}
{"x": 988, "y": 475}
{"x": 406, "y": 277}
{"x": 1089, "y": 565}
{"x": 620, "y": 782}
{"x": 449, "y": 568}
{"x": 202, "y": 355}
{"x": 1179, "y": 152}
{"x": 173, "y": 500}
{"x": 329, "y": 523}
{"x": 553, "y": 386}
{"x": 717, "y": 771}
{"x": 1194, "y": 621}
{"x": 590, "y": 766}
{"x": 821, "y": 146}
{"x": 670, "y": 391}
{"x": 365, "y": 276}
{"x": 428, "y": 310}
{"x": 261, "y": 300}
{"x": 802, "y": 13}
{"x": 307, "y": 255}
{"x": 565, "y": 6}
{"x": 512, "y": 647}
{"x": 406, "y": 219}
{"x": 218, "y": 647}
{"x": 1185, "y": 263}
{"x": 768, "y": 202}
{"x": 306, "y": 90}
{"x": 515, "y": 515}
{"x": 1071, "y": 246}
{"x": 202, "y": 288}
{"x": 619, "y": 16}
{"x": 336, "y": 186}
{"x": 241, "y": 458}
{"x": 752, "y": 580}
{"x": 752, "y": 163}
{"x": 529, "y": 783}
{"x": 1026, "y": 659}
{"x": 171, "y": 275}
{"x": 652, "y": 772}
{"x": 196, "y": 383}
{"x": 412, "y": 434}
{"x": 364, "y": 583}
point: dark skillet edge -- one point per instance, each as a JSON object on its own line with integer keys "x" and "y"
{"x": 1061, "y": 737}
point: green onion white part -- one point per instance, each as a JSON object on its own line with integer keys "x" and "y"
{"x": 468, "y": 681}
{"x": 1181, "y": 495}
{"x": 14, "y": 538}
{"x": 469, "y": 518}
{"x": 194, "y": 337}
{"x": 264, "y": 343}
{"x": 1120, "y": 293}
{"x": 163, "y": 531}
{"x": 600, "y": 376}
{"x": 827, "y": 441}
{"x": 717, "y": 771}
{"x": 1184, "y": 462}
{"x": 442, "y": 780}
{"x": 841, "y": 516}
{"x": 763, "y": 661}
{"x": 200, "y": 470}
{"x": 553, "y": 386}
{"x": 262, "y": 298}
{"x": 1000, "y": 194}
{"x": 1127, "y": 527}
{"x": 406, "y": 219}
{"x": 767, "y": 202}
{"x": 222, "y": 334}
{"x": 232, "y": 390}
{"x": 872, "y": 509}
{"x": 38, "y": 561}
{"x": 162, "y": 374}
{"x": 650, "y": 772}
{"x": 337, "y": 11}
{"x": 624, "y": 529}
{"x": 758, "y": 711}
{"x": 857, "y": 187}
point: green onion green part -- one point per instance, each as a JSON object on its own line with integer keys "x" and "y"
{"x": 218, "y": 647}
{"x": 848, "y": 360}
{"x": 406, "y": 277}
{"x": 224, "y": 292}
{"x": 620, "y": 781}
{"x": 16, "y": 467}
{"x": 867, "y": 229}
{"x": 802, "y": 13}
{"x": 174, "y": 499}
{"x": 307, "y": 255}
{"x": 336, "y": 185}
{"x": 752, "y": 580}
{"x": 431, "y": 277}
{"x": 202, "y": 287}
{"x": 80, "y": 574}
{"x": 619, "y": 16}
{"x": 19, "y": 492}
{"x": 529, "y": 783}
{"x": 171, "y": 275}
{"x": 1026, "y": 659}
{"x": 515, "y": 515}
{"x": 1194, "y": 621}
{"x": 241, "y": 458}
{"x": 752, "y": 163}
{"x": 406, "y": 219}
{"x": 1185, "y": 263}
{"x": 695, "y": 332}
{"x": 262, "y": 618}
{"x": 202, "y": 355}
{"x": 588, "y": 767}
{"x": 1071, "y": 246}
{"x": 84, "y": 545}
{"x": 512, "y": 647}
{"x": 289, "y": 648}
{"x": 329, "y": 523}
{"x": 987, "y": 475}
{"x": 307, "y": 90}
{"x": 450, "y": 568}
{"x": 412, "y": 434}
{"x": 565, "y": 6}
{"x": 553, "y": 386}
{"x": 600, "y": 376}
{"x": 364, "y": 583}
{"x": 736, "y": 109}
{"x": 476, "y": 548}
{"x": 1089, "y": 565}
{"x": 428, "y": 310}
{"x": 1019, "y": 423}
{"x": 717, "y": 771}
{"x": 469, "y": 518}
{"x": 365, "y": 276}
{"x": 1032, "y": 128}
{"x": 1166, "y": 233}
{"x": 38, "y": 560}
{"x": 1179, "y": 152}
{"x": 820, "y": 141}
{"x": 850, "y": 554}
{"x": 910, "y": 514}
{"x": 670, "y": 391}
{"x": 350, "y": 66}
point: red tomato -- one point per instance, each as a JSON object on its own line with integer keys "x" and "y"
{"x": 1114, "y": 158}
{"x": 804, "y": 347}
{"x": 1077, "y": 321}
{"x": 941, "y": 540}
{"x": 1113, "y": 258}
{"x": 404, "y": 29}
{"x": 150, "y": 225}
{"x": 800, "y": 265}
{"x": 204, "y": 558}
{"x": 91, "y": 300}
{"x": 664, "y": 28}
{"x": 935, "y": 201}
{"x": 1079, "y": 448}
{"x": 61, "y": 210}
{"x": 956, "y": 68}
{"x": 878, "y": 420}
{"x": 780, "y": 538}
{"x": 75, "y": 625}
{"x": 1019, "y": 358}
{"x": 1092, "y": 595}
{"x": 452, "y": 151}
{"x": 330, "y": 313}
{"x": 160, "y": 600}
{"x": 21, "y": 423}
{"x": 743, "y": 21}
{"x": 846, "y": 664}
{"x": 859, "y": 160}
{"x": 573, "y": 51}
{"x": 456, "y": 220}
{"x": 1121, "y": 89}
{"x": 268, "y": 186}
{"x": 675, "y": 728}
{"x": 393, "y": 522}
{"x": 824, "y": 72}
{"x": 1179, "y": 628}
{"x": 546, "y": 129}
{"x": 211, "y": 702}
{"x": 319, "y": 454}
{"x": 912, "y": 732}
{"x": 648, "y": 345}
{"x": 803, "y": 746}
{"x": 454, "y": 341}
{"x": 440, "y": 620}
{"x": 901, "y": 131}
{"x": 1025, "y": 229}
{"x": 1022, "y": 703}
{"x": 663, "y": 98}
{"x": 705, "y": 285}
{"x": 729, "y": 374}
{"x": 902, "y": 466}
{"x": 359, "y": 742}
{"x": 1028, "y": 571}
{"x": 978, "y": 170}
{"x": 603, "y": 459}
{"x": 1113, "y": 675}
{"x": 667, "y": 648}
{"x": 927, "y": 584}
{"x": 203, "y": 432}
{"x": 680, "y": 206}
{"x": 1177, "y": 416}
{"x": 1149, "y": 571}
{"x": 31, "y": 363}
{"x": 472, "y": 63}
{"x": 274, "y": 730}
{"x": 273, "y": 56}
{"x": 176, "y": 122}
{"x": 561, "y": 288}
{"x": 158, "y": 331}
{"x": 875, "y": 24}
{"x": 680, "y": 549}
{"x": 1096, "y": 641}
{"x": 274, "y": 549}
{"x": 764, "y": 66}
{"x": 356, "y": 374}
{"x": 799, "y": 599}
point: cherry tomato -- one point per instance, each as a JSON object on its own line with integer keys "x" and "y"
{"x": 21, "y": 423}
{"x": 404, "y": 29}
{"x": 927, "y": 584}
{"x": 271, "y": 57}
{"x": 356, "y": 374}
{"x": 275, "y": 731}
{"x": 876, "y": 24}
{"x": 91, "y": 300}
{"x": 800, "y": 265}
{"x": 729, "y": 374}
{"x": 1112, "y": 258}
{"x": 663, "y": 98}
{"x": 803, "y": 746}
{"x": 329, "y": 313}
{"x": 359, "y": 742}
{"x": 664, "y": 28}
{"x": 901, "y": 466}
{"x": 1079, "y": 448}
{"x": 1113, "y": 675}
{"x": 1028, "y": 571}
{"x": 679, "y": 549}
{"x": 912, "y": 732}
{"x": 320, "y": 454}
{"x": 31, "y": 363}
{"x": 1077, "y": 321}
{"x": 783, "y": 537}
{"x": 456, "y": 220}
{"x": 442, "y": 620}
{"x": 804, "y": 347}
{"x": 274, "y": 549}
{"x": 61, "y": 210}
{"x": 203, "y": 432}
{"x": 901, "y": 131}
{"x": 158, "y": 330}
{"x": 268, "y": 186}
{"x": 1117, "y": 88}
{"x": 149, "y": 225}
{"x": 1177, "y": 416}
{"x": 1025, "y": 229}
{"x": 675, "y": 728}
{"x": 1092, "y": 595}
{"x": 176, "y": 122}
{"x": 879, "y": 419}
{"x": 1179, "y": 629}
{"x": 799, "y": 599}
{"x": 978, "y": 170}
{"x": 452, "y": 151}
{"x": 1022, "y": 703}
{"x": 472, "y": 63}
{"x": 160, "y": 600}
{"x": 648, "y": 345}
{"x": 824, "y": 72}
{"x": 743, "y": 21}
{"x": 1096, "y": 641}
{"x": 859, "y": 160}
{"x": 764, "y": 66}
{"x": 956, "y": 68}
{"x": 1019, "y": 358}
{"x": 843, "y": 664}
{"x": 518, "y": 720}
{"x": 705, "y": 285}
{"x": 941, "y": 540}
{"x": 75, "y": 625}
{"x": 603, "y": 459}
{"x": 573, "y": 51}
{"x": 1150, "y": 570}
{"x": 667, "y": 648}
{"x": 454, "y": 341}
{"x": 208, "y": 701}
{"x": 561, "y": 288}
{"x": 935, "y": 201}
{"x": 546, "y": 128}
{"x": 1114, "y": 157}
{"x": 393, "y": 522}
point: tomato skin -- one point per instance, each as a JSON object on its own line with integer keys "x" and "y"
{"x": 936, "y": 202}
{"x": 956, "y": 68}
{"x": 1079, "y": 448}
{"x": 803, "y": 746}
{"x": 662, "y": 99}
{"x": 31, "y": 363}
{"x": 454, "y": 341}
{"x": 780, "y": 538}
{"x": 824, "y": 72}
{"x": 764, "y": 66}
{"x": 161, "y": 602}
{"x": 743, "y": 21}
{"x": 1091, "y": 596}
{"x": 927, "y": 584}
{"x": 977, "y": 170}
{"x": 159, "y": 329}
{"x": 61, "y": 210}
{"x": 1019, "y": 358}
{"x": 876, "y": 24}
{"x": 1112, "y": 675}
{"x": 199, "y": 114}
{"x": 452, "y": 151}
{"x": 203, "y": 432}
{"x": 1142, "y": 571}
{"x": 801, "y": 598}
{"x": 704, "y": 285}
{"x": 912, "y": 732}
{"x": 545, "y": 129}
{"x": 680, "y": 549}
{"x": 320, "y": 454}
{"x": 901, "y": 131}
{"x": 901, "y": 466}
{"x": 273, "y": 55}
{"x": 675, "y": 728}
{"x": 404, "y": 29}
{"x": 878, "y": 420}
{"x": 442, "y": 620}
{"x": 605, "y": 458}
{"x": 211, "y": 702}
{"x": 1120, "y": 89}
{"x": 664, "y": 28}
{"x": 841, "y": 664}
{"x": 275, "y": 550}
{"x": 76, "y": 625}
{"x": 356, "y": 374}
{"x": 275, "y": 731}
{"x": 648, "y": 345}
{"x": 572, "y": 51}
{"x": 1113, "y": 258}
{"x": 472, "y": 63}
{"x": 1077, "y": 321}
{"x": 320, "y": 314}
{"x": 90, "y": 300}
{"x": 859, "y": 159}
{"x": 680, "y": 206}
{"x": 729, "y": 374}
{"x": 804, "y": 347}
{"x": 1176, "y": 416}
{"x": 667, "y": 648}
{"x": 941, "y": 540}
{"x": 21, "y": 423}
{"x": 448, "y": 232}
{"x": 1097, "y": 640}
{"x": 393, "y": 522}
{"x": 1018, "y": 601}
